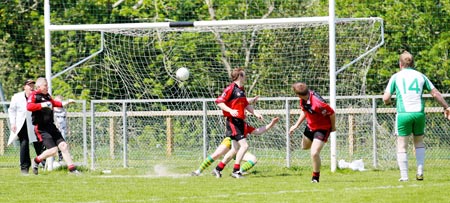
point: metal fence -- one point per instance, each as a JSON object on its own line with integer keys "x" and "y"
{"x": 180, "y": 133}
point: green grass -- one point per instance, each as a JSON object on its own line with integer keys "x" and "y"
{"x": 263, "y": 185}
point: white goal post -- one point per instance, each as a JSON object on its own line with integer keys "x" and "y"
{"x": 251, "y": 25}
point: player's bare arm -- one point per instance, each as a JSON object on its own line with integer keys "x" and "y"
{"x": 250, "y": 109}
{"x": 224, "y": 107}
{"x": 297, "y": 124}
{"x": 69, "y": 101}
{"x": 387, "y": 98}
{"x": 253, "y": 100}
{"x": 438, "y": 97}
{"x": 263, "y": 129}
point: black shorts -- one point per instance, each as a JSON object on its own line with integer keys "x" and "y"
{"x": 49, "y": 135}
{"x": 317, "y": 134}
{"x": 235, "y": 128}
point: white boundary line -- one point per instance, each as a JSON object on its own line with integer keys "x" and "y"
{"x": 281, "y": 192}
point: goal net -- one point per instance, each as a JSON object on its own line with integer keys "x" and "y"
{"x": 173, "y": 121}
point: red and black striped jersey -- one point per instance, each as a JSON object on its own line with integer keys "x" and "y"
{"x": 317, "y": 112}
{"x": 234, "y": 97}
{"x": 39, "y": 115}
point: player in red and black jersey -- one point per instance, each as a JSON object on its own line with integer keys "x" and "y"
{"x": 41, "y": 104}
{"x": 225, "y": 146}
{"x": 233, "y": 103}
{"x": 320, "y": 122}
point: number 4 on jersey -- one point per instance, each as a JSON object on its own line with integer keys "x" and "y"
{"x": 414, "y": 86}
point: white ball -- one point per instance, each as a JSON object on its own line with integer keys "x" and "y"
{"x": 182, "y": 74}
{"x": 56, "y": 165}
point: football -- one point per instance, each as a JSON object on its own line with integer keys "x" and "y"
{"x": 56, "y": 165}
{"x": 182, "y": 74}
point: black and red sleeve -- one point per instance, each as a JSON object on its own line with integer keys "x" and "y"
{"x": 31, "y": 103}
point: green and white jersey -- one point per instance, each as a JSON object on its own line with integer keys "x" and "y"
{"x": 408, "y": 85}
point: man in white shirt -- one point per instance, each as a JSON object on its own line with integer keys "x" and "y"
{"x": 21, "y": 126}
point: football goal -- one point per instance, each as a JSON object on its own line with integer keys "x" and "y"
{"x": 142, "y": 113}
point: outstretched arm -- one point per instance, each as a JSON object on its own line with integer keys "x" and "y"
{"x": 69, "y": 101}
{"x": 252, "y": 100}
{"x": 297, "y": 124}
{"x": 265, "y": 128}
{"x": 250, "y": 109}
{"x": 438, "y": 97}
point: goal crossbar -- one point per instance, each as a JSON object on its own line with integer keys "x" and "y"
{"x": 159, "y": 25}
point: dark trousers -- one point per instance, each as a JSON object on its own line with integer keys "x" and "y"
{"x": 25, "y": 160}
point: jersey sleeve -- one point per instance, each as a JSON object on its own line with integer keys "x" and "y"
{"x": 330, "y": 111}
{"x": 31, "y": 103}
{"x": 390, "y": 88}
{"x": 428, "y": 84}
{"x": 225, "y": 95}
{"x": 56, "y": 103}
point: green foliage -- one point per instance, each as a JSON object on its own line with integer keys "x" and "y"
{"x": 418, "y": 26}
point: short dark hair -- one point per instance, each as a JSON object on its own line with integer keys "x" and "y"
{"x": 236, "y": 73}
{"x": 300, "y": 88}
{"x": 29, "y": 81}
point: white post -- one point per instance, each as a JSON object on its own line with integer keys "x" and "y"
{"x": 49, "y": 163}
{"x": 48, "y": 63}
{"x": 48, "y": 51}
{"x": 332, "y": 44}
{"x": 288, "y": 136}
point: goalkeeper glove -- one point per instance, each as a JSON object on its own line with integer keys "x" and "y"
{"x": 46, "y": 105}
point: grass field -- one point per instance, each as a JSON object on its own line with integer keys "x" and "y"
{"x": 158, "y": 184}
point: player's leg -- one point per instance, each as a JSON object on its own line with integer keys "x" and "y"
{"x": 229, "y": 156}
{"x": 63, "y": 133}
{"x": 306, "y": 143}
{"x": 320, "y": 138}
{"x": 307, "y": 139}
{"x": 250, "y": 162}
{"x": 51, "y": 150}
{"x": 249, "y": 159}
{"x": 64, "y": 148}
{"x": 404, "y": 126}
{"x": 420, "y": 155}
{"x": 222, "y": 149}
{"x": 402, "y": 156}
{"x": 419, "y": 146}
{"x": 243, "y": 147}
{"x": 38, "y": 147}
{"x": 210, "y": 159}
{"x": 236, "y": 131}
{"x": 316, "y": 148}
{"x": 221, "y": 165}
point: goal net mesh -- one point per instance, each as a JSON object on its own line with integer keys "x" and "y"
{"x": 140, "y": 64}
